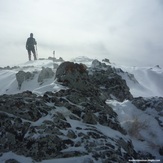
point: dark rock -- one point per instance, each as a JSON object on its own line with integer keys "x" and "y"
{"x": 144, "y": 103}
{"x": 71, "y": 134}
{"x": 31, "y": 128}
{"x": 97, "y": 64}
{"x": 112, "y": 85}
{"x": 60, "y": 59}
{"x": 106, "y": 60}
{"x": 73, "y": 75}
{"x": 89, "y": 118}
{"x": 11, "y": 161}
{"x": 161, "y": 151}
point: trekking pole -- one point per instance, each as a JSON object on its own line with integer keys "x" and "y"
{"x": 36, "y": 52}
{"x": 53, "y": 58}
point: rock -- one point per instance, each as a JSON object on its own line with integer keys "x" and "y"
{"x": 127, "y": 146}
{"x": 71, "y": 134}
{"x": 76, "y": 76}
{"x": 50, "y": 132}
{"x": 97, "y": 64}
{"x": 144, "y": 103}
{"x": 55, "y": 65}
{"x": 106, "y": 60}
{"x": 112, "y": 85}
{"x": 11, "y": 161}
{"x": 73, "y": 75}
{"x": 45, "y": 73}
{"x": 60, "y": 59}
{"x": 89, "y": 118}
{"x": 21, "y": 76}
{"x": 161, "y": 151}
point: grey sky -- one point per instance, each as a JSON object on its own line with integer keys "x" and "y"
{"x": 127, "y": 32}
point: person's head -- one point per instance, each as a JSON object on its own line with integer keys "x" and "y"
{"x": 31, "y": 34}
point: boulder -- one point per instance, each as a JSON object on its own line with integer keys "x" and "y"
{"x": 73, "y": 75}
{"x": 21, "y": 76}
{"x": 89, "y": 118}
{"x": 45, "y": 73}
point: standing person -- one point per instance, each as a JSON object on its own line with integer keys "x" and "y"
{"x": 30, "y": 46}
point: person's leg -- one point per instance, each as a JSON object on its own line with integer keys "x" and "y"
{"x": 29, "y": 55}
{"x": 34, "y": 53}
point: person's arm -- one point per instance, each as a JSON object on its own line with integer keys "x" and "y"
{"x": 35, "y": 42}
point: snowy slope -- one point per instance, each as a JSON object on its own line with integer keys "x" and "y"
{"x": 148, "y": 81}
{"x": 149, "y": 129}
{"x": 9, "y": 84}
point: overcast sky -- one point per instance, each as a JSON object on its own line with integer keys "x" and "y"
{"x": 125, "y": 31}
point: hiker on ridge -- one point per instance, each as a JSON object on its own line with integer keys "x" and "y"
{"x": 30, "y": 46}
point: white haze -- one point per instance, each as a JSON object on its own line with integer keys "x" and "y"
{"x": 128, "y": 32}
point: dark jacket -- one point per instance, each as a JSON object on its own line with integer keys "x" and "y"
{"x": 30, "y": 43}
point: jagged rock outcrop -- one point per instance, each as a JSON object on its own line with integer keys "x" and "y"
{"x": 106, "y": 60}
{"x": 45, "y": 73}
{"x": 99, "y": 76}
{"x": 46, "y": 127}
{"x": 97, "y": 64}
{"x": 145, "y": 103}
{"x": 21, "y": 76}
{"x": 73, "y": 75}
{"x": 111, "y": 84}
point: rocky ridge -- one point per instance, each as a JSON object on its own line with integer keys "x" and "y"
{"x": 70, "y": 122}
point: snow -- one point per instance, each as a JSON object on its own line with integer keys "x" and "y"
{"x": 22, "y": 159}
{"x": 52, "y": 86}
{"x": 11, "y": 155}
{"x": 149, "y": 129}
{"x": 147, "y": 83}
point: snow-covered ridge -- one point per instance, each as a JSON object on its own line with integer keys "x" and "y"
{"x": 81, "y": 123}
{"x": 149, "y": 80}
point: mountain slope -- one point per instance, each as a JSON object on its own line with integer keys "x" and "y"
{"x": 86, "y": 115}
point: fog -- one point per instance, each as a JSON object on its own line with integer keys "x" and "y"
{"x": 127, "y": 32}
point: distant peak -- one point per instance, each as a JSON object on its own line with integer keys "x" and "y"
{"x": 157, "y": 66}
{"x": 82, "y": 59}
